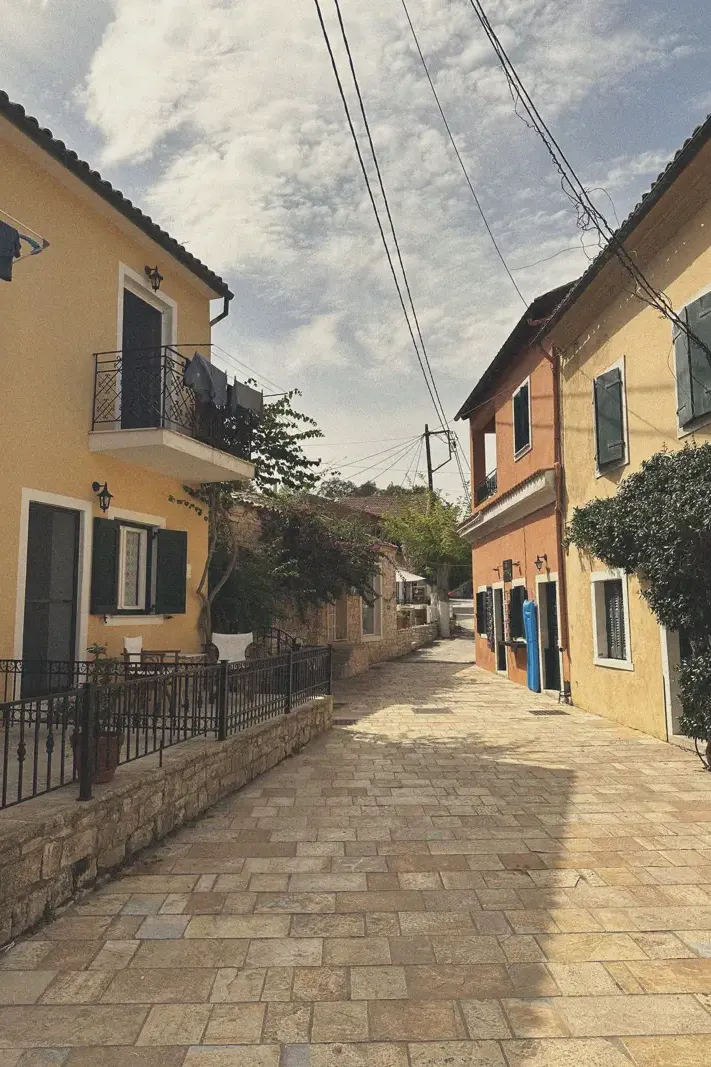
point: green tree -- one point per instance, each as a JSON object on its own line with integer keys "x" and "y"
{"x": 426, "y": 528}
{"x": 658, "y": 526}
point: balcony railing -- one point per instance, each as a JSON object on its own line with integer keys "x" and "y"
{"x": 486, "y": 488}
{"x": 138, "y": 389}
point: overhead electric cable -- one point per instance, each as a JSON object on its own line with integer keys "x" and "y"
{"x": 459, "y": 155}
{"x": 372, "y": 197}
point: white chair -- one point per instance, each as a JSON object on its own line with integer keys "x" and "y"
{"x": 132, "y": 648}
{"x": 232, "y": 647}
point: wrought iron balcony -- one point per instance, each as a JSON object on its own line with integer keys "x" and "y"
{"x": 486, "y": 488}
{"x": 144, "y": 413}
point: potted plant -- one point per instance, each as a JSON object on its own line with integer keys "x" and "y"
{"x": 104, "y": 671}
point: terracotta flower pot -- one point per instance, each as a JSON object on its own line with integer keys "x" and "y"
{"x": 108, "y": 748}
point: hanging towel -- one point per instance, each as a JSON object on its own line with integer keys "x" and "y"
{"x": 208, "y": 382}
{"x": 244, "y": 397}
{"x": 9, "y": 250}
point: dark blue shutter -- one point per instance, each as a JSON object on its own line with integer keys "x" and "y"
{"x": 615, "y": 620}
{"x": 522, "y": 428}
{"x": 171, "y": 561}
{"x": 609, "y": 418}
{"x": 698, "y": 316}
{"x": 105, "y": 567}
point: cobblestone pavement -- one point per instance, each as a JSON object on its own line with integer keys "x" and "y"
{"x": 467, "y": 875}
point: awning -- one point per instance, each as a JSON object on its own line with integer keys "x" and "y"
{"x": 406, "y": 576}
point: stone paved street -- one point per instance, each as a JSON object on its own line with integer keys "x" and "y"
{"x": 466, "y": 875}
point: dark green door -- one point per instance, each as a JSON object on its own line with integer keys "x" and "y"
{"x": 551, "y": 655}
{"x": 141, "y": 384}
{"x": 50, "y": 620}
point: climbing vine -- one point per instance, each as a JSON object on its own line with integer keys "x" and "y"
{"x": 658, "y": 526}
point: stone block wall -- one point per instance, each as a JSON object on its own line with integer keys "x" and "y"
{"x": 54, "y": 845}
{"x": 354, "y": 659}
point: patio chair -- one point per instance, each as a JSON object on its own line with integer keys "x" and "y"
{"x": 232, "y": 647}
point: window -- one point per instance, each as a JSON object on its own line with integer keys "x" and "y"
{"x": 522, "y": 418}
{"x": 610, "y": 433}
{"x": 137, "y": 569}
{"x": 516, "y": 599}
{"x": 372, "y": 612}
{"x": 693, "y": 366}
{"x": 490, "y": 632}
{"x": 610, "y": 618}
{"x": 481, "y": 614}
{"x": 133, "y": 568}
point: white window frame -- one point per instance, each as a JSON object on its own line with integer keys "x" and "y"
{"x": 597, "y": 580}
{"x": 527, "y": 448}
{"x": 601, "y": 472}
{"x": 377, "y": 634}
{"x": 703, "y": 420}
{"x": 144, "y": 546}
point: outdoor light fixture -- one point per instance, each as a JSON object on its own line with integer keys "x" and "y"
{"x": 155, "y": 277}
{"x": 105, "y": 497}
{"x": 540, "y": 560}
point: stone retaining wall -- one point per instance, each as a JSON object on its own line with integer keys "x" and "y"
{"x": 354, "y": 659}
{"x": 54, "y": 845}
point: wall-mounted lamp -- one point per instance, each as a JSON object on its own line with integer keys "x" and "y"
{"x": 540, "y": 560}
{"x": 155, "y": 277}
{"x": 102, "y": 492}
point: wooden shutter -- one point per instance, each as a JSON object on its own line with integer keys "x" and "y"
{"x": 105, "y": 567}
{"x": 490, "y": 616}
{"x": 685, "y": 410}
{"x": 522, "y": 429}
{"x": 481, "y": 614}
{"x": 516, "y": 599}
{"x": 698, "y": 316}
{"x": 609, "y": 419}
{"x": 615, "y": 620}
{"x": 171, "y": 571}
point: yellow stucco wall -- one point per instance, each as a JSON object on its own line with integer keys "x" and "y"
{"x": 60, "y": 308}
{"x": 622, "y": 328}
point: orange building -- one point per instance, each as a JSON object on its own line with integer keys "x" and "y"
{"x": 515, "y": 526}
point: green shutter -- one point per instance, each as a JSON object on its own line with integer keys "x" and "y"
{"x": 698, "y": 316}
{"x": 685, "y": 410}
{"x": 609, "y": 418}
{"x": 481, "y": 614}
{"x": 171, "y": 561}
{"x": 615, "y": 620}
{"x": 490, "y": 616}
{"x": 104, "y": 567}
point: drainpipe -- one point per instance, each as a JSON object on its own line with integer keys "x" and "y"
{"x": 225, "y": 310}
{"x": 554, "y": 357}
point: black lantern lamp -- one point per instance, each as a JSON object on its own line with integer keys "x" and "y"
{"x": 102, "y": 492}
{"x": 155, "y": 277}
{"x": 540, "y": 560}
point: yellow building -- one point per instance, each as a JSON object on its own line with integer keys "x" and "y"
{"x": 629, "y": 388}
{"x": 93, "y": 352}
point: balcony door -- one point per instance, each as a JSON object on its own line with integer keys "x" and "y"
{"x": 50, "y": 620}
{"x": 141, "y": 382}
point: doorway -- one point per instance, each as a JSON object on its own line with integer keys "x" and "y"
{"x": 499, "y": 637}
{"x": 51, "y": 587}
{"x": 549, "y": 634}
{"x": 141, "y": 380}
{"x": 675, "y": 649}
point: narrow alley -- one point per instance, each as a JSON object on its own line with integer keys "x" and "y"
{"x": 460, "y": 873}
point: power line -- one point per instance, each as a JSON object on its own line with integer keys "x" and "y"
{"x": 401, "y": 455}
{"x": 370, "y": 194}
{"x": 459, "y": 156}
{"x": 372, "y": 455}
{"x": 440, "y": 412}
{"x": 233, "y": 359}
{"x": 588, "y": 215}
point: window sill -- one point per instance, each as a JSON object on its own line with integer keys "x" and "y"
{"x": 610, "y": 468}
{"x": 701, "y": 423}
{"x": 616, "y": 664}
{"x": 371, "y": 637}
{"x": 522, "y": 452}
{"x": 134, "y": 620}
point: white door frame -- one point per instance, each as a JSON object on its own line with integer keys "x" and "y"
{"x": 494, "y": 587}
{"x": 541, "y": 580}
{"x": 85, "y": 509}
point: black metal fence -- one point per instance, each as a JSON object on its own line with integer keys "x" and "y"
{"x": 486, "y": 488}
{"x": 144, "y": 388}
{"x": 22, "y": 678}
{"x": 82, "y": 734}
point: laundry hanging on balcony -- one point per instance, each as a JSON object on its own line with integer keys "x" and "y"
{"x": 207, "y": 381}
{"x": 243, "y": 398}
{"x": 11, "y": 244}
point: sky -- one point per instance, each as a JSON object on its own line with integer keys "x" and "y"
{"x": 221, "y": 119}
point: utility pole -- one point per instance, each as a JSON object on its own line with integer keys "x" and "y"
{"x": 430, "y": 479}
